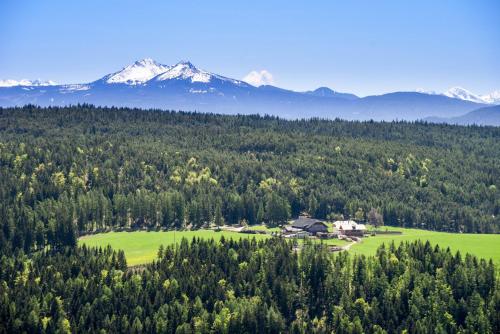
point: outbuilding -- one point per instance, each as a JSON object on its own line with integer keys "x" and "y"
{"x": 349, "y": 228}
{"x": 310, "y": 225}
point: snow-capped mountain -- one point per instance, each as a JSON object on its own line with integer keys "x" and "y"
{"x": 137, "y": 73}
{"x": 492, "y": 98}
{"x": 463, "y": 94}
{"x": 183, "y": 86}
{"x": 25, "y": 82}
{"x": 184, "y": 70}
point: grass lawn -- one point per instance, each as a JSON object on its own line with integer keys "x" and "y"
{"x": 263, "y": 228}
{"x": 142, "y": 247}
{"x": 482, "y": 245}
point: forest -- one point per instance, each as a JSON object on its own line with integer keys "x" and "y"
{"x": 66, "y": 172}
{"x": 250, "y": 287}
{"x": 70, "y": 171}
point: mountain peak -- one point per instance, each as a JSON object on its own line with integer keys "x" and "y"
{"x": 137, "y": 73}
{"x": 463, "y": 94}
{"x": 186, "y": 63}
{"x": 146, "y": 62}
{"x": 325, "y": 91}
{"x": 185, "y": 70}
{"x": 328, "y": 92}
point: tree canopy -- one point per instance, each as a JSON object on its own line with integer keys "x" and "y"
{"x": 67, "y": 171}
{"x": 250, "y": 287}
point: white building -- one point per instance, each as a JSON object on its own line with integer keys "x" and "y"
{"x": 349, "y": 228}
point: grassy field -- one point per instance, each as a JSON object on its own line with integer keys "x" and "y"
{"x": 263, "y": 228}
{"x": 482, "y": 245}
{"x": 142, "y": 247}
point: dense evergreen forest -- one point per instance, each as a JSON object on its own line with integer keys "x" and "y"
{"x": 66, "y": 171}
{"x": 250, "y": 287}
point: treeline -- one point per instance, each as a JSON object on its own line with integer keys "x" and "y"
{"x": 250, "y": 287}
{"x": 66, "y": 171}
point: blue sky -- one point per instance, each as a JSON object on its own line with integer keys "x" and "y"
{"x": 364, "y": 47}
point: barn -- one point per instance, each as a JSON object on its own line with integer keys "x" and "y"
{"x": 310, "y": 225}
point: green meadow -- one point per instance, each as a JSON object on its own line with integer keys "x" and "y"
{"x": 142, "y": 247}
{"x": 263, "y": 228}
{"x": 482, "y": 245}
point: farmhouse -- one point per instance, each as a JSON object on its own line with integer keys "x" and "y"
{"x": 310, "y": 225}
{"x": 349, "y": 228}
{"x": 289, "y": 229}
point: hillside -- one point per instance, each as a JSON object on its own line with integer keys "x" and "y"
{"x": 482, "y": 116}
{"x": 83, "y": 168}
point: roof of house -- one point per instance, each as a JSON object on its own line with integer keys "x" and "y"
{"x": 348, "y": 225}
{"x": 304, "y": 222}
{"x": 291, "y": 229}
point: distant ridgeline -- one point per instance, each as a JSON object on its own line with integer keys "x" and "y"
{"x": 70, "y": 170}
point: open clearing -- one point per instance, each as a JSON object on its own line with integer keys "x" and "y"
{"x": 141, "y": 247}
{"x": 482, "y": 245}
{"x": 263, "y": 228}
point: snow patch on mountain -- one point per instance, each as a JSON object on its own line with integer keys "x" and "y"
{"x": 137, "y": 73}
{"x": 425, "y": 91}
{"x": 492, "y": 98}
{"x": 74, "y": 87}
{"x": 184, "y": 70}
{"x": 463, "y": 94}
{"x": 25, "y": 82}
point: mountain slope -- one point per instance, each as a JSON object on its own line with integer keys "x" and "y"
{"x": 137, "y": 73}
{"x": 492, "y": 98}
{"x": 482, "y": 116}
{"x": 184, "y": 70}
{"x": 412, "y": 106}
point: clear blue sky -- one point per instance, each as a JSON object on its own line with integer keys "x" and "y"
{"x": 364, "y": 47}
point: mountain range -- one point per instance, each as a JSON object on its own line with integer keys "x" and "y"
{"x": 149, "y": 84}
{"x": 481, "y": 116}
